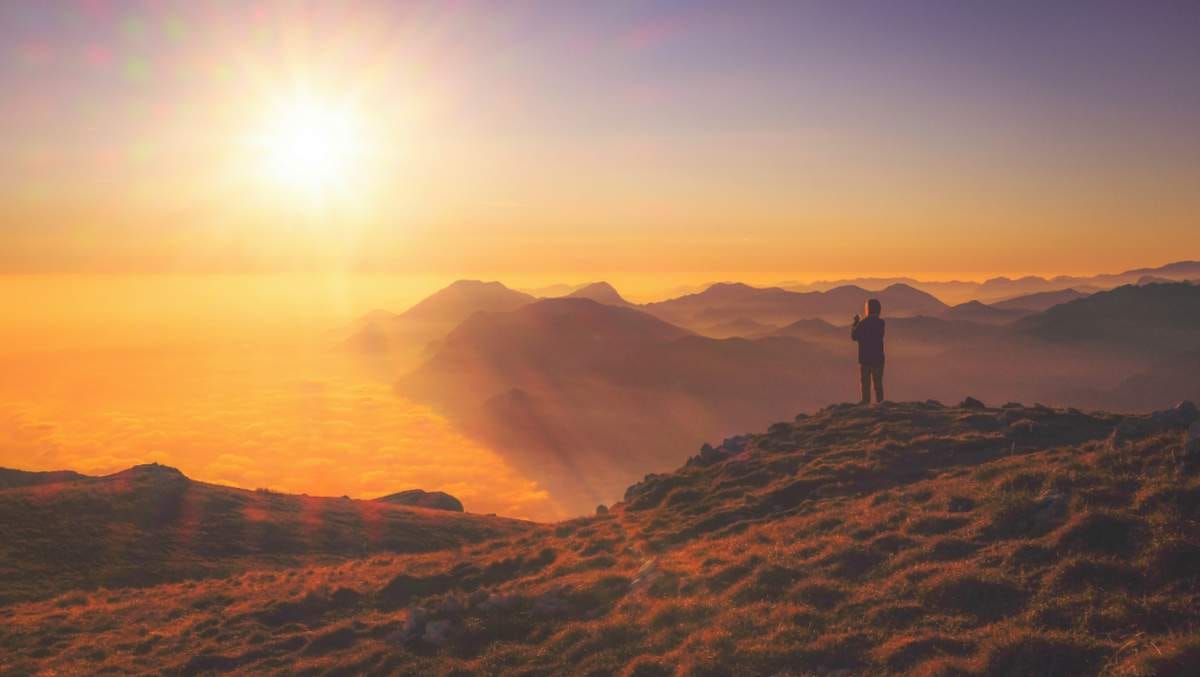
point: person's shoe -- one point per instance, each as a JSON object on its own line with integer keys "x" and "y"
{"x": 864, "y": 403}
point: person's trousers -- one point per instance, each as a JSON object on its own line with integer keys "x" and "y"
{"x": 867, "y": 374}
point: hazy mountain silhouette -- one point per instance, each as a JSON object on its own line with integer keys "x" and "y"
{"x": 551, "y": 290}
{"x": 601, "y": 292}
{"x": 1002, "y": 288}
{"x": 1150, "y": 320}
{"x": 396, "y": 341}
{"x": 1039, "y": 301}
{"x": 738, "y": 327}
{"x": 587, "y": 397}
{"x": 725, "y": 302}
{"x": 975, "y": 311}
{"x": 464, "y": 298}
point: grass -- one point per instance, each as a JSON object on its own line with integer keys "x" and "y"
{"x": 903, "y": 538}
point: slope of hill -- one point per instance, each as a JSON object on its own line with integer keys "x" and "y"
{"x": 1040, "y": 301}
{"x": 1150, "y": 319}
{"x": 151, "y": 524}
{"x": 895, "y": 539}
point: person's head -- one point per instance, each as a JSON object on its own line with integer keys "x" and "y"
{"x": 873, "y": 307}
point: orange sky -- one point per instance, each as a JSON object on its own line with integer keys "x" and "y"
{"x": 556, "y": 140}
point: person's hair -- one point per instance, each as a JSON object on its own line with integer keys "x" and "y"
{"x": 873, "y": 307}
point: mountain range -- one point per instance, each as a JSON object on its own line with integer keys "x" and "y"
{"x": 587, "y": 395}
{"x": 1002, "y": 288}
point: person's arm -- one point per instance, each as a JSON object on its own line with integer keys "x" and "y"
{"x": 854, "y": 329}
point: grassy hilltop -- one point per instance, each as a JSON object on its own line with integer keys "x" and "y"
{"x": 900, "y": 538}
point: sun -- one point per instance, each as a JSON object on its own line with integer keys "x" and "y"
{"x": 310, "y": 146}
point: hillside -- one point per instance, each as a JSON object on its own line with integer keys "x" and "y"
{"x": 151, "y": 524}
{"x": 893, "y": 539}
{"x": 1150, "y": 319}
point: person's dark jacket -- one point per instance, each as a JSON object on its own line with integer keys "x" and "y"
{"x": 869, "y": 334}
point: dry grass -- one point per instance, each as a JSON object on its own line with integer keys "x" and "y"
{"x": 903, "y": 538}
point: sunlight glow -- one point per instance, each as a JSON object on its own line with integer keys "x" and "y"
{"x": 310, "y": 146}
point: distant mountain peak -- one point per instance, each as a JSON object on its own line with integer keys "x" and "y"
{"x": 154, "y": 469}
{"x": 460, "y": 299}
{"x": 467, "y": 284}
{"x": 602, "y": 292}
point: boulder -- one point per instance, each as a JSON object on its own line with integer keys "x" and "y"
{"x": 437, "y": 500}
{"x": 972, "y": 403}
{"x": 1022, "y": 428}
{"x": 436, "y": 633}
{"x": 1181, "y": 415}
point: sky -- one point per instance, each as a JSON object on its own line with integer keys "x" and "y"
{"x": 581, "y": 139}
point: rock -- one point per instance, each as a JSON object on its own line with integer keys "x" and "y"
{"x": 1181, "y": 415}
{"x": 801, "y": 416}
{"x": 707, "y": 456}
{"x": 1191, "y": 444}
{"x": 735, "y": 445}
{"x": 1051, "y": 509}
{"x": 1022, "y": 428}
{"x": 602, "y": 509}
{"x": 972, "y": 403}
{"x": 1012, "y": 405}
{"x": 935, "y": 404}
{"x": 451, "y": 604}
{"x": 420, "y": 498}
{"x": 779, "y": 428}
{"x": 646, "y": 574}
{"x": 1187, "y": 408}
{"x": 437, "y": 633}
{"x": 413, "y": 627}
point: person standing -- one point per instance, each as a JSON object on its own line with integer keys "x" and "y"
{"x": 868, "y": 333}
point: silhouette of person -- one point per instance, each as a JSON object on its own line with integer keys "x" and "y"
{"x": 869, "y": 335}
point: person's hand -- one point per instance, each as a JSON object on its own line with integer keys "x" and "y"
{"x": 856, "y": 319}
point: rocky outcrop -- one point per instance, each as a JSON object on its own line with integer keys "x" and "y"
{"x": 436, "y": 500}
